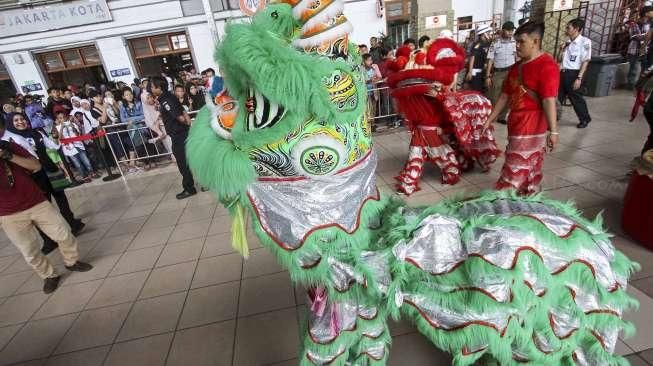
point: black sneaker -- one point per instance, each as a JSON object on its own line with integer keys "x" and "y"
{"x": 79, "y": 227}
{"x": 50, "y": 284}
{"x": 583, "y": 124}
{"x": 80, "y": 267}
{"x": 185, "y": 194}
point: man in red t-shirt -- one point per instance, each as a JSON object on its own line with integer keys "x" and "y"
{"x": 531, "y": 88}
{"x": 23, "y": 207}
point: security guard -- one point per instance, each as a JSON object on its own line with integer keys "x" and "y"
{"x": 177, "y": 123}
{"x": 576, "y": 56}
{"x": 501, "y": 56}
{"x": 476, "y": 66}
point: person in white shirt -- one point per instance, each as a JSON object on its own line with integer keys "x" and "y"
{"x": 576, "y": 55}
{"x": 77, "y": 105}
{"x": 501, "y": 56}
{"x": 74, "y": 151}
{"x": 90, "y": 122}
{"x": 153, "y": 117}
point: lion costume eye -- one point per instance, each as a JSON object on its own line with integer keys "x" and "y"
{"x": 274, "y": 14}
{"x": 223, "y": 115}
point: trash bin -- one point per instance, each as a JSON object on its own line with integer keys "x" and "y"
{"x": 601, "y": 73}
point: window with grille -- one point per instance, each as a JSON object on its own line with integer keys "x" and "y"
{"x": 159, "y": 45}
{"x": 72, "y": 58}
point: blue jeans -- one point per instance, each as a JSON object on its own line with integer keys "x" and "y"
{"x": 82, "y": 163}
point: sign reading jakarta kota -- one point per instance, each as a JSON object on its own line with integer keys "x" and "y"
{"x": 54, "y": 16}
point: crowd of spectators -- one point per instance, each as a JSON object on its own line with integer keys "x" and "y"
{"x": 135, "y": 138}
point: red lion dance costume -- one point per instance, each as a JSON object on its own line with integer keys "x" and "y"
{"x": 446, "y": 126}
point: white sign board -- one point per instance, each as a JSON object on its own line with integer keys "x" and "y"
{"x": 562, "y": 5}
{"x": 436, "y": 21}
{"x": 250, "y": 7}
{"x": 55, "y": 16}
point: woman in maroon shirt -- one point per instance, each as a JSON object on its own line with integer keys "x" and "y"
{"x": 24, "y": 206}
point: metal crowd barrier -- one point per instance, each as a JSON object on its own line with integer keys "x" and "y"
{"x": 127, "y": 137}
{"x": 136, "y": 137}
{"x": 380, "y": 100}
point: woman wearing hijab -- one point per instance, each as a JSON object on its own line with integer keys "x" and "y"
{"x": 39, "y": 143}
{"x": 76, "y": 102}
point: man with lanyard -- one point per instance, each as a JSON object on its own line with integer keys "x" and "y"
{"x": 177, "y": 123}
{"x": 501, "y": 56}
{"x": 476, "y": 66}
{"x": 576, "y": 55}
{"x": 530, "y": 89}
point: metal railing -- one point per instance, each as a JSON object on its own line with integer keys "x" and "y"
{"x": 132, "y": 142}
{"x": 380, "y": 104}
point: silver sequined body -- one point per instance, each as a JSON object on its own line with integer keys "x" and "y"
{"x": 430, "y": 274}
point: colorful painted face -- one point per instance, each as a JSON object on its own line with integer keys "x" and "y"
{"x": 311, "y": 126}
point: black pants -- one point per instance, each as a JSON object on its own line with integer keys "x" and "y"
{"x": 478, "y": 82}
{"x": 567, "y": 79}
{"x": 648, "y": 113}
{"x": 179, "y": 151}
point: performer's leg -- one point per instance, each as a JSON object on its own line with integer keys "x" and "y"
{"x": 412, "y": 173}
{"x": 563, "y": 88}
{"x": 408, "y": 179}
{"x": 466, "y": 163}
{"x": 522, "y": 169}
{"x": 648, "y": 113}
{"x": 577, "y": 100}
{"x": 535, "y": 175}
{"x": 443, "y": 156}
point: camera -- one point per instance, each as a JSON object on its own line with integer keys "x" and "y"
{"x": 5, "y": 150}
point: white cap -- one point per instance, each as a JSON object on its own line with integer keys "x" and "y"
{"x": 446, "y": 34}
{"x": 483, "y": 29}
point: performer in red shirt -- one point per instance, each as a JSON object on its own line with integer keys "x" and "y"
{"x": 531, "y": 89}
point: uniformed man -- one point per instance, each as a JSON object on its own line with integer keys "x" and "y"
{"x": 576, "y": 55}
{"x": 476, "y": 67}
{"x": 177, "y": 123}
{"x": 501, "y": 56}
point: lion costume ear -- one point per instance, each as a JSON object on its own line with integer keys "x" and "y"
{"x": 445, "y": 53}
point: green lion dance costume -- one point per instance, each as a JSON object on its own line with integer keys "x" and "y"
{"x": 498, "y": 277}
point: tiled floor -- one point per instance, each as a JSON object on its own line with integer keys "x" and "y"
{"x": 167, "y": 289}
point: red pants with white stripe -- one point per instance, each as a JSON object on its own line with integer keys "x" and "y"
{"x": 427, "y": 144}
{"x": 522, "y": 169}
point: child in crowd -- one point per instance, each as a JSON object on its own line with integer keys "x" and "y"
{"x": 372, "y": 76}
{"x": 195, "y": 96}
{"x": 74, "y": 151}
